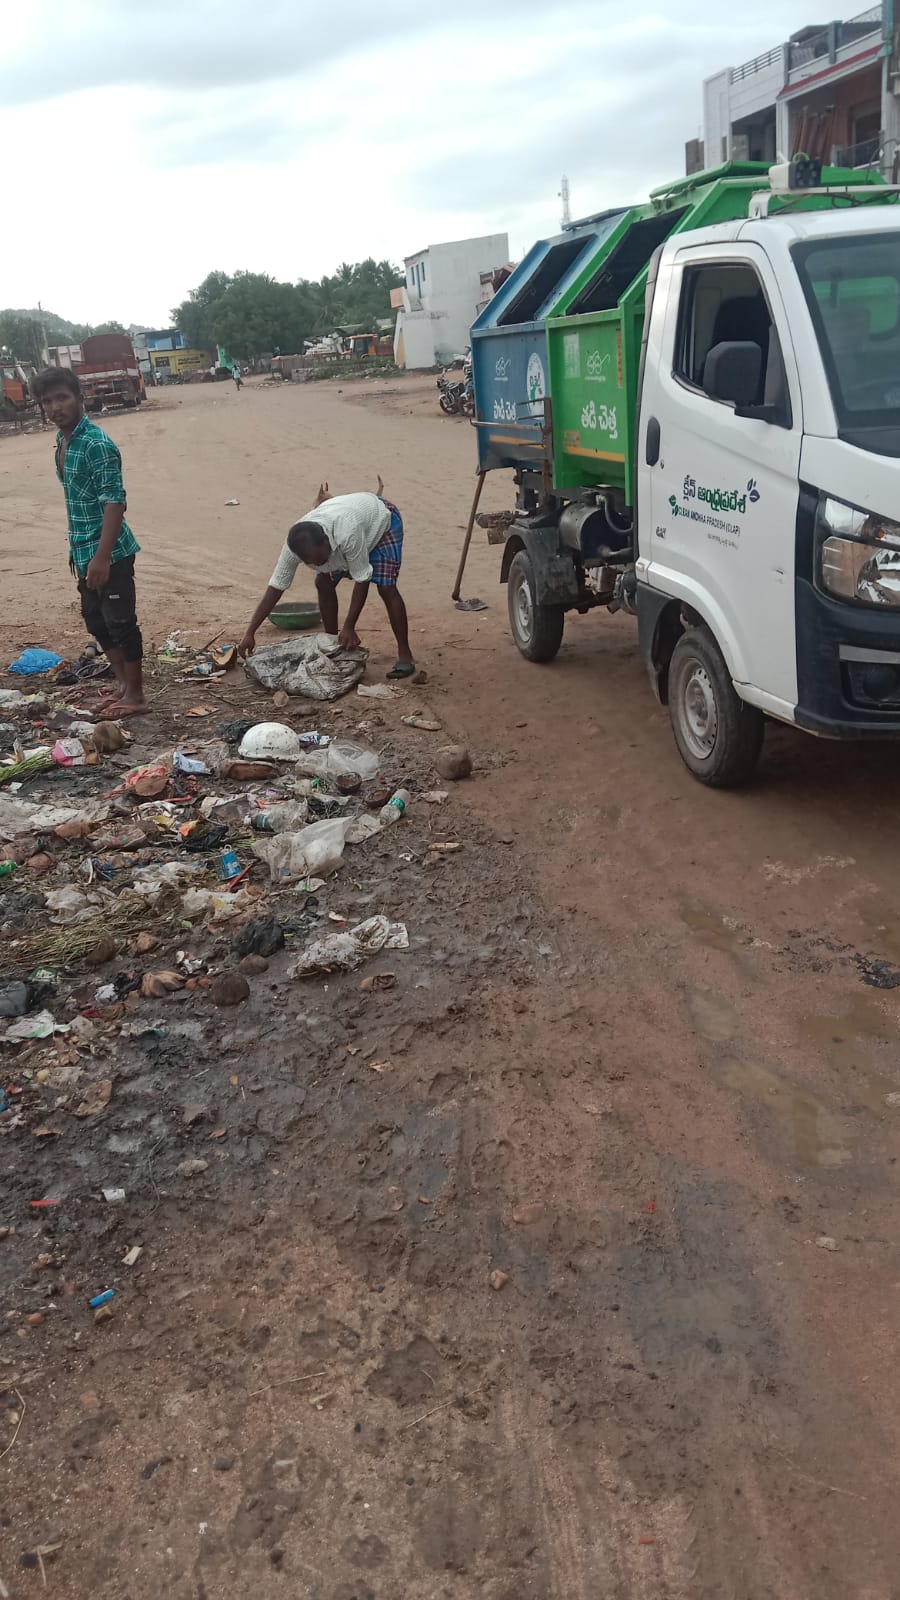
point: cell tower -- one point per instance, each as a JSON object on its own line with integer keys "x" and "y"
{"x": 564, "y": 197}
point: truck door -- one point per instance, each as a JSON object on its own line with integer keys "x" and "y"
{"x": 718, "y": 482}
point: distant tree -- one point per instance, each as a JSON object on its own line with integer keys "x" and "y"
{"x": 20, "y": 336}
{"x": 194, "y": 316}
{"x": 256, "y": 313}
{"x": 108, "y": 327}
{"x": 358, "y": 294}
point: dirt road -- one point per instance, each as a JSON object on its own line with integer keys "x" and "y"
{"x": 643, "y": 1059}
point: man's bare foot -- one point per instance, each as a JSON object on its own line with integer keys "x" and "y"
{"x": 126, "y": 708}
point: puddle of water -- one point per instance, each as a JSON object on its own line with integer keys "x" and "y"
{"x": 843, "y": 1037}
{"x": 713, "y": 931}
{"x": 817, "y": 1137}
{"x": 712, "y": 1016}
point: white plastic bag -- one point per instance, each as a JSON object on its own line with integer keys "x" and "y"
{"x": 318, "y": 850}
{"x": 344, "y": 951}
{"x": 303, "y": 667}
{"x": 341, "y": 757}
{"x": 70, "y": 905}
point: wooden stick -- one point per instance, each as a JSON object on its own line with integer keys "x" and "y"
{"x": 307, "y": 1377}
{"x": 468, "y": 539}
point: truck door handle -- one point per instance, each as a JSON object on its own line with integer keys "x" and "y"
{"x": 651, "y": 447}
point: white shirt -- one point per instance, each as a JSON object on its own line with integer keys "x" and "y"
{"x": 353, "y": 525}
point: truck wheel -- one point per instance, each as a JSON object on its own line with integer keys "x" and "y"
{"x": 537, "y": 629}
{"x": 718, "y": 734}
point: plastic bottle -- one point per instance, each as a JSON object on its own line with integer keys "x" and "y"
{"x": 285, "y": 818}
{"x": 396, "y": 807}
{"x": 7, "y": 868}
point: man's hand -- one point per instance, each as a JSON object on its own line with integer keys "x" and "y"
{"x": 348, "y": 637}
{"x": 97, "y": 575}
{"x": 247, "y": 644}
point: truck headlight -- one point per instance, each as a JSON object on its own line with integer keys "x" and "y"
{"x": 859, "y": 554}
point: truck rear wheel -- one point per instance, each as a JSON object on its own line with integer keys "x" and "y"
{"x": 717, "y": 733}
{"x": 537, "y": 629}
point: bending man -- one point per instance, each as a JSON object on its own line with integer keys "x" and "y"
{"x": 351, "y": 535}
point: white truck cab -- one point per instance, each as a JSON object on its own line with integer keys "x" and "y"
{"x": 768, "y": 481}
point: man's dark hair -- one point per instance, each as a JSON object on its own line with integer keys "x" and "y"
{"x": 54, "y": 378}
{"x": 305, "y": 536}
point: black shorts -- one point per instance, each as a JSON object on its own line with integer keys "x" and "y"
{"x": 110, "y": 613}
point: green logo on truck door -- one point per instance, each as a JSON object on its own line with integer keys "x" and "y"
{"x": 734, "y": 500}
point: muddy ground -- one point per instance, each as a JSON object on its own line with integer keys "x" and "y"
{"x": 641, "y": 1058}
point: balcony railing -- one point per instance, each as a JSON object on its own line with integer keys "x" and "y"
{"x": 758, "y": 64}
{"x": 858, "y": 155}
{"x": 824, "y": 45}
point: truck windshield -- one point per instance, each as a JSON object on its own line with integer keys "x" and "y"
{"x": 852, "y": 287}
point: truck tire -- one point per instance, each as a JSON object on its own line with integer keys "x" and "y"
{"x": 719, "y": 736}
{"x": 536, "y": 629}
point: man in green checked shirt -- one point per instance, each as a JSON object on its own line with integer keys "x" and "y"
{"x": 102, "y": 547}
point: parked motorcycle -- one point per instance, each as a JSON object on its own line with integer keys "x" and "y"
{"x": 456, "y": 399}
{"x": 451, "y": 393}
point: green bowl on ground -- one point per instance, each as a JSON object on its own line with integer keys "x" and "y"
{"x": 295, "y": 614}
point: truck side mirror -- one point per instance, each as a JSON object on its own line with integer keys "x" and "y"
{"x": 732, "y": 371}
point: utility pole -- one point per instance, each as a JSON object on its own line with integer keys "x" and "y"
{"x": 564, "y": 197}
{"x": 45, "y": 350}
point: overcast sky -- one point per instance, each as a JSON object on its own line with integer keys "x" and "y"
{"x": 148, "y": 141}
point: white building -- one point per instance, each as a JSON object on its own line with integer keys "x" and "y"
{"x": 439, "y": 301}
{"x": 828, "y": 91}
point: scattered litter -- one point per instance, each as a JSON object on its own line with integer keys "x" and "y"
{"x": 131, "y": 1256}
{"x": 435, "y": 797}
{"x": 34, "y": 661}
{"x": 261, "y": 937}
{"x": 270, "y": 741}
{"x": 69, "y": 753}
{"x": 318, "y": 848}
{"x": 340, "y": 758}
{"x": 232, "y": 502}
{"x": 114, "y": 1197}
{"x": 826, "y": 1243}
{"x": 41, "y": 1025}
{"x": 102, "y": 1299}
{"x": 423, "y": 722}
{"x": 376, "y": 691}
{"x": 378, "y": 981}
{"x": 191, "y": 1168}
{"x": 97, "y": 1098}
{"x": 344, "y": 951}
{"x": 307, "y": 667}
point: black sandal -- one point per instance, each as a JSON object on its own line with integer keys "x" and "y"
{"x": 401, "y": 669}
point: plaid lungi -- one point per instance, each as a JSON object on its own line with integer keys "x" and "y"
{"x": 385, "y": 557}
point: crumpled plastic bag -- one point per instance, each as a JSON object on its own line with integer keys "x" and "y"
{"x": 339, "y": 758}
{"x": 302, "y": 667}
{"x": 23, "y": 816}
{"x": 70, "y": 905}
{"x": 344, "y": 951}
{"x": 152, "y": 882}
{"x": 317, "y": 850}
{"x": 218, "y": 905}
{"x": 33, "y": 661}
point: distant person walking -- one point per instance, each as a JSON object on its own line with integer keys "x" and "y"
{"x": 102, "y": 547}
{"x": 238, "y": 380}
{"x": 359, "y": 536}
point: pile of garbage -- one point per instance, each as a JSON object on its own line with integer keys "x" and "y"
{"x": 105, "y": 898}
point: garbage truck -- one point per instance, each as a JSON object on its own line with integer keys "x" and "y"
{"x": 705, "y": 433}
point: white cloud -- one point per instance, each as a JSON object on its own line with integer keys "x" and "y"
{"x": 181, "y": 135}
